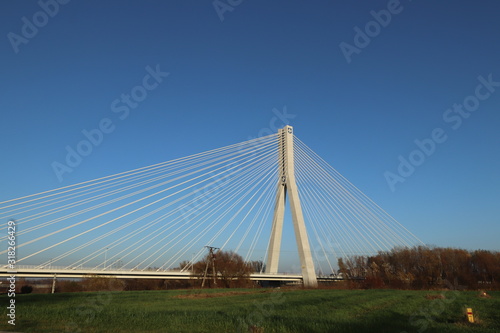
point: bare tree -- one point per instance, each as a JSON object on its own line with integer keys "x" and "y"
{"x": 257, "y": 266}
{"x": 230, "y": 269}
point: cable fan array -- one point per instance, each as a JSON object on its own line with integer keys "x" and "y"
{"x": 152, "y": 217}
{"x": 341, "y": 220}
{"x": 157, "y": 216}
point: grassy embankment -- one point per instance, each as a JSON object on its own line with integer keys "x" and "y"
{"x": 236, "y": 310}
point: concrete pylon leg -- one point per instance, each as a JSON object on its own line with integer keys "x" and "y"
{"x": 273, "y": 256}
{"x": 306, "y": 261}
{"x": 288, "y": 185}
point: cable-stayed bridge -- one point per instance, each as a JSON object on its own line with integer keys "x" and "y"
{"x": 144, "y": 222}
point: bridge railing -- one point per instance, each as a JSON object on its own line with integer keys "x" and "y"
{"x": 83, "y": 268}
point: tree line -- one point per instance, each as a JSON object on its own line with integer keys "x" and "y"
{"x": 401, "y": 268}
{"x": 424, "y": 268}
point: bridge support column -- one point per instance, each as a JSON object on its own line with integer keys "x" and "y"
{"x": 288, "y": 185}
{"x": 54, "y": 284}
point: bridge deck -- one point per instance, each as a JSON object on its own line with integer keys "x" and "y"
{"x": 34, "y": 272}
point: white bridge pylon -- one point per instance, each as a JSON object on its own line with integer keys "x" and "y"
{"x": 288, "y": 185}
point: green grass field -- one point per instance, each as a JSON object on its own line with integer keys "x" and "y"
{"x": 237, "y": 310}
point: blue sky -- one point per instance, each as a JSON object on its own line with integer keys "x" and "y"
{"x": 225, "y": 78}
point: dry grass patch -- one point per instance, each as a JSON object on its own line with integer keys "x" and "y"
{"x": 439, "y": 296}
{"x": 219, "y": 294}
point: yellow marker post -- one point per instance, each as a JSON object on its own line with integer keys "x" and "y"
{"x": 470, "y": 316}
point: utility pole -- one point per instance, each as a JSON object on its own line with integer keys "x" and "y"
{"x": 54, "y": 284}
{"x": 211, "y": 259}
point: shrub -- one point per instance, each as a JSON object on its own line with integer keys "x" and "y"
{"x": 26, "y": 289}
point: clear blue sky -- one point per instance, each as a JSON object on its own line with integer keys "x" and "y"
{"x": 226, "y": 77}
